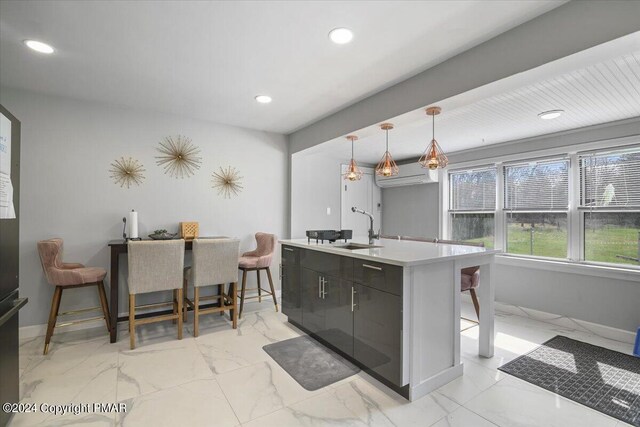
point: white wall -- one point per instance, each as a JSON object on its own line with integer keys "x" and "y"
{"x": 315, "y": 186}
{"x": 67, "y": 147}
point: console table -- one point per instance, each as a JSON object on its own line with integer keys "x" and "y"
{"x": 118, "y": 247}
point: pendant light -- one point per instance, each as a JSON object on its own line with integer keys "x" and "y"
{"x": 353, "y": 172}
{"x": 387, "y": 166}
{"x": 433, "y": 157}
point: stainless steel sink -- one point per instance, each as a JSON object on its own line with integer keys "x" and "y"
{"x": 354, "y": 246}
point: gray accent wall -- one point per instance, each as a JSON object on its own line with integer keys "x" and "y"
{"x": 411, "y": 211}
{"x": 605, "y": 301}
{"x": 67, "y": 147}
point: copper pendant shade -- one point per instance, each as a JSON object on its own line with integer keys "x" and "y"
{"x": 387, "y": 166}
{"x": 433, "y": 157}
{"x": 353, "y": 172}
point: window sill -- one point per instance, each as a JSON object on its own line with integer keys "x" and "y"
{"x": 586, "y": 269}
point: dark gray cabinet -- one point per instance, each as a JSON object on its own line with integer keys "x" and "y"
{"x": 326, "y": 309}
{"x": 338, "y": 324}
{"x": 313, "y": 306}
{"x": 377, "y": 332}
{"x": 384, "y": 277}
{"x": 354, "y": 306}
{"x": 290, "y": 279}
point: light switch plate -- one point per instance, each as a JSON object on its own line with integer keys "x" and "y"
{"x": 328, "y": 211}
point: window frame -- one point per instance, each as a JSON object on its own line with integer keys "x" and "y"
{"x": 575, "y": 260}
{"x": 581, "y": 211}
{"x": 449, "y": 213}
{"x": 504, "y": 224}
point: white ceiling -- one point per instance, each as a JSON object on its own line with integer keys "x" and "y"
{"x": 599, "y": 85}
{"x": 209, "y": 59}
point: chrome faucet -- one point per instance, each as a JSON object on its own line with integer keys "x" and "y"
{"x": 372, "y": 236}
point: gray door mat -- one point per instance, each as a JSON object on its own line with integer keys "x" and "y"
{"x": 310, "y": 363}
{"x": 602, "y": 379}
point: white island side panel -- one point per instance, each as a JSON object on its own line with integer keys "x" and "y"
{"x": 433, "y": 318}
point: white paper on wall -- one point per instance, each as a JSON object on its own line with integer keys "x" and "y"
{"x": 7, "y": 210}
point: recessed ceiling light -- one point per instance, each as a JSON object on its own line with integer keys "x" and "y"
{"x": 263, "y": 99}
{"x": 551, "y": 114}
{"x": 341, "y": 35}
{"x": 39, "y": 46}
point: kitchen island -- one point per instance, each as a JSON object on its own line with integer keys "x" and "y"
{"x": 392, "y": 308}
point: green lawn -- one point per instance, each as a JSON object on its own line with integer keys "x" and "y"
{"x": 548, "y": 240}
{"x": 601, "y": 245}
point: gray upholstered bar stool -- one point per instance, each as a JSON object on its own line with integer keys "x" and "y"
{"x": 215, "y": 262}
{"x": 155, "y": 266}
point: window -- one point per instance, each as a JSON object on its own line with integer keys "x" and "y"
{"x": 536, "y": 202}
{"x": 610, "y": 206}
{"x": 574, "y": 206}
{"x": 472, "y": 205}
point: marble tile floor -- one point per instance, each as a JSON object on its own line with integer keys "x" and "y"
{"x": 224, "y": 378}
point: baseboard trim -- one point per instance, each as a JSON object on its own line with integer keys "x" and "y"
{"x": 435, "y": 382}
{"x": 33, "y": 331}
{"x": 603, "y": 331}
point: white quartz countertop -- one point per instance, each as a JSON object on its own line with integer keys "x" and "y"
{"x": 397, "y": 252}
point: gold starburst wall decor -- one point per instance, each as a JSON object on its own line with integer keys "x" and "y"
{"x": 179, "y": 156}
{"x": 127, "y": 172}
{"x": 228, "y": 182}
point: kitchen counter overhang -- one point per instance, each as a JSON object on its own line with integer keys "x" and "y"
{"x": 403, "y": 253}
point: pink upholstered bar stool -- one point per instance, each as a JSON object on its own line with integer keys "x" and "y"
{"x": 258, "y": 260}
{"x": 64, "y": 275}
{"x": 470, "y": 276}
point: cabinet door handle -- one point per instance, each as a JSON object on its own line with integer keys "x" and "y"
{"x": 373, "y": 267}
{"x": 353, "y": 293}
{"x": 281, "y": 272}
{"x": 319, "y": 287}
{"x": 324, "y": 289}
{"x": 288, "y": 249}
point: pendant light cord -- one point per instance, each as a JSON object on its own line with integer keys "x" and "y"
{"x": 387, "y": 131}
{"x": 433, "y": 127}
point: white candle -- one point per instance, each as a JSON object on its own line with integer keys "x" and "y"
{"x": 133, "y": 224}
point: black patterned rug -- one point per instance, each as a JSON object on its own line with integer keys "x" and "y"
{"x": 602, "y": 379}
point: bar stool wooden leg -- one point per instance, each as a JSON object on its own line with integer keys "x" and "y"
{"x": 221, "y": 293}
{"x": 196, "y": 310}
{"x": 476, "y": 304}
{"x": 185, "y": 296}
{"x": 132, "y": 321}
{"x": 232, "y": 291}
{"x": 53, "y": 316}
{"x": 259, "y": 286}
{"x": 244, "y": 285}
{"x": 175, "y": 305}
{"x": 104, "y": 304}
{"x": 273, "y": 292}
{"x": 234, "y": 312}
{"x": 179, "y": 313}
